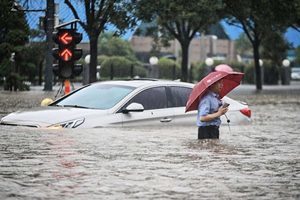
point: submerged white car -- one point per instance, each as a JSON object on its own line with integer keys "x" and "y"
{"x": 121, "y": 104}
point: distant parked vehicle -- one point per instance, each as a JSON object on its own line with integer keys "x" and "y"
{"x": 295, "y": 74}
{"x": 121, "y": 104}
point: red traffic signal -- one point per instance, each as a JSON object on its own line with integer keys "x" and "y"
{"x": 67, "y": 40}
{"x": 66, "y": 53}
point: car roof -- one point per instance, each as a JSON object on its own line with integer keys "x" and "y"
{"x": 145, "y": 82}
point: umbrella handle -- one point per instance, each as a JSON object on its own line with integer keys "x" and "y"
{"x": 228, "y": 121}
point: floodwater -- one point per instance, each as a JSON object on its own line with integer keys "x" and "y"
{"x": 257, "y": 161}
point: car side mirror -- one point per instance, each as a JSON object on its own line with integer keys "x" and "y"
{"x": 133, "y": 107}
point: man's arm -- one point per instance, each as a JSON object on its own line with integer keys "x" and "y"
{"x": 212, "y": 116}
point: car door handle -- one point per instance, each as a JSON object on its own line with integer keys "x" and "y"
{"x": 165, "y": 119}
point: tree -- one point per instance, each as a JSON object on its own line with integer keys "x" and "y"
{"x": 274, "y": 48}
{"x": 258, "y": 19}
{"x": 111, "y": 45}
{"x": 180, "y": 19}
{"x": 287, "y": 13}
{"x": 98, "y": 15}
{"x": 243, "y": 45}
{"x": 14, "y": 32}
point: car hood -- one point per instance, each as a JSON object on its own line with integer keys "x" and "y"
{"x": 46, "y": 116}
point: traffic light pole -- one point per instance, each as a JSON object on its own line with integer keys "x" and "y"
{"x": 49, "y": 58}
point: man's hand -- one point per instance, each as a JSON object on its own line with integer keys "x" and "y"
{"x": 212, "y": 116}
{"x": 222, "y": 110}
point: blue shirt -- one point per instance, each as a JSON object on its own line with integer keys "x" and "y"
{"x": 209, "y": 104}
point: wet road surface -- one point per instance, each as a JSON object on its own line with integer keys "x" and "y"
{"x": 257, "y": 161}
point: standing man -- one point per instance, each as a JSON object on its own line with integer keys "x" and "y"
{"x": 209, "y": 111}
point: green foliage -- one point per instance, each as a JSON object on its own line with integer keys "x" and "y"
{"x": 259, "y": 20}
{"x": 249, "y": 74}
{"x": 5, "y": 67}
{"x": 15, "y": 82}
{"x": 180, "y": 19}
{"x": 102, "y": 58}
{"x": 200, "y": 70}
{"x": 98, "y": 15}
{"x": 274, "y": 47}
{"x": 271, "y": 73}
{"x": 14, "y": 34}
{"x": 111, "y": 45}
{"x": 243, "y": 45}
{"x": 238, "y": 66}
{"x": 121, "y": 67}
{"x": 167, "y": 70}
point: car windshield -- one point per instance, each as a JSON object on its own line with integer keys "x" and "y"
{"x": 103, "y": 96}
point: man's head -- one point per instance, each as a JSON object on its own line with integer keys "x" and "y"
{"x": 216, "y": 87}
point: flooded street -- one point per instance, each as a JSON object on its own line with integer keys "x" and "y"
{"x": 257, "y": 161}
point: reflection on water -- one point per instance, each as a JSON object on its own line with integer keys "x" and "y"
{"x": 259, "y": 161}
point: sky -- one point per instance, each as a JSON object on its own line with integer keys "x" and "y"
{"x": 65, "y": 15}
{"x": 291, "y": 35}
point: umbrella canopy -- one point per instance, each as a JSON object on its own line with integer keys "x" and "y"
{"x": 230, "y": 81}
{"x": 224, "y": 68}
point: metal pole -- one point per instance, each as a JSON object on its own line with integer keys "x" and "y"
{"x": 49, "y": 58}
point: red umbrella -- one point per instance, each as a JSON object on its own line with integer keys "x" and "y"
{"x": 230, "y": 81}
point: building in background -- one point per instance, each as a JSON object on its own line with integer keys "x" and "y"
{"x": 214, "y": 44}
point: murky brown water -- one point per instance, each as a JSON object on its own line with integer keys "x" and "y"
{"x": 257, "y": 161}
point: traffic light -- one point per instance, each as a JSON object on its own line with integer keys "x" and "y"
{"x": 67, "y": 53}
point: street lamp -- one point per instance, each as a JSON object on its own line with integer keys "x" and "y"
{"x": 87, "y": 60}
{"x": 261, "y": 63}
{"x": 153, "y": 70}
{"x": 285, "y": 73}
{"x": 209, "y": 62}
{"x": 286, "y": 63}
{"x": 153, "y": 60}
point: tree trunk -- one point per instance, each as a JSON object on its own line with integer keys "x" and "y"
{"x": 40, "y": 66}
{"x": 93, "y": 61}
{"x": 257, "y": 66}
{"x": 184, "y": 61}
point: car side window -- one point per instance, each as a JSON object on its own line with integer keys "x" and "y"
{"x": 180, "y": 96}
{"x": 153, "y": 98}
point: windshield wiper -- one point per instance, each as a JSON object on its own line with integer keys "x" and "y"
{"x": 74, "y": 106}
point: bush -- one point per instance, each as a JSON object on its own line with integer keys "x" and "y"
{"x": 238, "y": 66}
{"x": 15, "y": 82}
{"x": 200, "y": 70}
{"x": 166, "y": 69}
{"x": 120, "y": 67}
{"x": 271, "y": 74}
{"x": 249, "y": 74}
